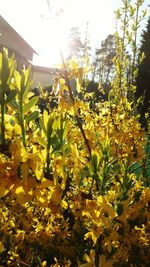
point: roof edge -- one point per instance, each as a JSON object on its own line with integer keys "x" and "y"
{"x": 19, "y": 36}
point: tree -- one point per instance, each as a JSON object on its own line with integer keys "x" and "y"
{"x": 103, "y": 64}
{"x": 75, "y": 45}
{"x": 143, "y": 79}
{"x": 86, "y": 43}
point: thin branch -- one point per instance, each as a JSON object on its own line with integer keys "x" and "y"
{"x": 20, "y": 262}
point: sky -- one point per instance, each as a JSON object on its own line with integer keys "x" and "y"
{"x": 45, "y": 24}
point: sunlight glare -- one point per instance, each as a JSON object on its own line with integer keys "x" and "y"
{"x": 54, "y": 40}
{"x": 47, "y": 30}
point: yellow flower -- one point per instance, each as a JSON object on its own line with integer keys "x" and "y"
{"x": 44, "y": 264}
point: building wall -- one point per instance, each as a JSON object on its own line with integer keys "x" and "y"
{"x": 19, "y": 59}
{"x": 45, "y": 79}
{"x": 42, "y": 75}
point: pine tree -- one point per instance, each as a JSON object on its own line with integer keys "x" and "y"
{"x": 143, "y": 79}
{"x": 103, "y": 62}
{"x": 75, "y": 46}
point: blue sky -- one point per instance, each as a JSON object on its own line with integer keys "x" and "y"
{"x": 47, "y": 33}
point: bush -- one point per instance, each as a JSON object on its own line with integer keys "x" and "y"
{"x": 74, "y": 183}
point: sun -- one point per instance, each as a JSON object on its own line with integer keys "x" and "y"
{"x": 55, "y": 29}
{"x": 53, "y": 40}
{"x": 47, "y": 30}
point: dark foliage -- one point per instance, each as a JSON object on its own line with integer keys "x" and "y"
{"x": 143, "y": 79}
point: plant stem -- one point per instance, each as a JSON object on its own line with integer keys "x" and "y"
{"x": 19, "y": 262}
{"x": 3, "y": 126}
{"x": 47, "y": 164}
{"x": 23, "y": 132}
{"x": 135, "y": 42}
{"x": 73, "y": 101}
{"x": 22, "y": 122}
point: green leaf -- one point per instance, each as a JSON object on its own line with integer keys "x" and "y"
{"x": 27, "y": 88}
{"x": 142, "y": 57}
{"x": 32, "y": 116}
{"x": 49, "y": 131}
{"x": 5, "y": 71}
{"x": 19, "y": 119}
{"x": 22, "y": 85}
{"x": 42, "y": 126}
{"x": 10, "y": 97}
{"x": 15, "y": 105}
{"x": 118, "y": 14}
{"x": 132, "y": 10}
{"x": 32, "y": 102}
{"x": 17, "y": 78}
{"x": 26, "y": 74}
{"x": 56, "y": 123}
{"x": 26, "y": 82}
{"x": 50, "y": 125}
{"x": 95, "y": 157}
{"x": 119, "y": 209}
{"x": 41, "y": 141}
{"x": 12, "y": 67}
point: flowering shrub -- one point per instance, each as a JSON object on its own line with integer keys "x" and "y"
{"x": 74, "y": 186}
{"x": 69, "y": 195}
